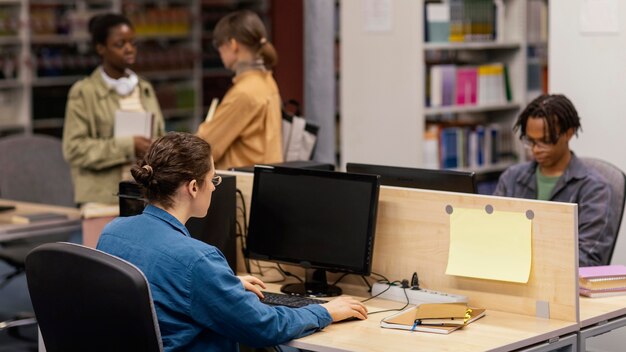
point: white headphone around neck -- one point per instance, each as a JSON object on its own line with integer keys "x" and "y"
{"x": 125, "y": 85}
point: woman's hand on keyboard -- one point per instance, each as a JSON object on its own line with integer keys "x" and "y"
{"x": 345, "y": 307}
{"x": 249, "y": 283}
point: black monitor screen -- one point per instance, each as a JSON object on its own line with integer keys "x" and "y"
{"x": 439, "y": 180}
{"x": 316, "y": 219}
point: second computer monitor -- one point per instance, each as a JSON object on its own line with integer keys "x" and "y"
{"x": 319, "y": 220}
{"x": 439, "y": 180}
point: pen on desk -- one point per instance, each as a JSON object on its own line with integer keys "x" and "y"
{"x": 415, "y": 324}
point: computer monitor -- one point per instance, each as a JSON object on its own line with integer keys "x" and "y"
{"x": 439, "y": 180}
{"x": 301, "y": 164}
{"x": 320, "y": 220}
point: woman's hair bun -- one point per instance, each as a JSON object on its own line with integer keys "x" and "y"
{"x": 143, "y": 174}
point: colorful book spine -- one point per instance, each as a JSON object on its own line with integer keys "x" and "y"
{"x": 466, "y": 85}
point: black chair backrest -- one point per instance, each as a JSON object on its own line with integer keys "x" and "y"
{"x": 617, "y": 181}
{"x": 87, "y": 300}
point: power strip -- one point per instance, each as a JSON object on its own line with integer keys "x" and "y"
{"x": 395, "y": 293}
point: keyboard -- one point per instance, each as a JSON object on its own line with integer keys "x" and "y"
{"x": 279, "y": 299}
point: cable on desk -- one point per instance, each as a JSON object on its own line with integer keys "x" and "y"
{"x": 369, "y": 286}
{"x": 243, "y": 230}
{"x": 245, "y": 214}
{"x": 239, "y": 235}
{"x": 286, "y": 273}
{"x": 381, "y": 276}
{"x": 339, "y": 279}
{"x": 390, "y": 310}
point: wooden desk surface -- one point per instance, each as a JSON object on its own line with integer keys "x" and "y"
{"x": 595, "y": 310}
{"x": 497, "y": 331}
{"x": 10, "y": 231}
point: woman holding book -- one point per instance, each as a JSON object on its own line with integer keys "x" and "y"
{"x": 96, "y": 155}
{"x": 200, "y": 304}
{"x": 246, "y": 127}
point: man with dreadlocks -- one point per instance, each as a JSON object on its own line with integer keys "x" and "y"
{"x": 556, "y": 174}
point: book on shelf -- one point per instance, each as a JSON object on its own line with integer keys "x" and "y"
{"x": 455, "y": 85}
{"x": 604, "y": 280}
{"x": 466, "y": 85}
{"x": 439, "y": 318}
{"x": 464, "y": 146}
{"x": 468, "y": 20}
{"x": 437, "y": 21}
{"x": 37, "y": 217}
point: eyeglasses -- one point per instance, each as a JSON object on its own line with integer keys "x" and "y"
{"x": 216, "y": 180}
{"x": 544, "y": 144}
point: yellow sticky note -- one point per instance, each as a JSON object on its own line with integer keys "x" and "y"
{"x": 494, "y": 246}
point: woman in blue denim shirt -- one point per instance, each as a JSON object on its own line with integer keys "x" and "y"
{"x": 201, "y": 305}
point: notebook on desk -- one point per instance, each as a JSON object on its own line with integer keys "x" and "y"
{"x": 439, "y": 318}
{"x": 604, "y": 280}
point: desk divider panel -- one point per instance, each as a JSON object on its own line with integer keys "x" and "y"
{"x": 412, "y": 235}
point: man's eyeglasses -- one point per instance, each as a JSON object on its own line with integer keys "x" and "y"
{"x": 540, "y": 144}
{"x": 216, "y": 180}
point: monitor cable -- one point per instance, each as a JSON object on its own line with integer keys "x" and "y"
{"x": 243, "y": 230}
{"x": 390, "y": 284}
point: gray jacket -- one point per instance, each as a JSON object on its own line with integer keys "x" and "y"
{"x": 579, "y": 184}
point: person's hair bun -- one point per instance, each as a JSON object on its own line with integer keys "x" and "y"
{"x": 143, "y": 174}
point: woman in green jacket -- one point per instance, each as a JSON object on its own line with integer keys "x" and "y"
{"x": 98, "y": 158}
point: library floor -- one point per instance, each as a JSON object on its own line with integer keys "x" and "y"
{"x": 12, "y": 344}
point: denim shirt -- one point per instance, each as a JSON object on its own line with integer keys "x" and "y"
{"x": 200, "y": 304}
{"x": 579, "y": 184}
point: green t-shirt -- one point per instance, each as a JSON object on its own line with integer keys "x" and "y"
{"x": 545, "y": 185}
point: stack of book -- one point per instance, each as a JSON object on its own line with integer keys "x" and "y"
{"x": 600, "y": 281}
{"x": 439, "y": 318}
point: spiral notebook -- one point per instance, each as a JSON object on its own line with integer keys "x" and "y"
{"x": 606, "y": 280}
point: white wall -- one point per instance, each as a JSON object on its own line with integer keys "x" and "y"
{"x": 590, "y": 69}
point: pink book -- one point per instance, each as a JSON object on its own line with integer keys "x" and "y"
{"x": 594, "y": 280}
{"x": 466, "y": 85}
{"x": 599, "y": 272}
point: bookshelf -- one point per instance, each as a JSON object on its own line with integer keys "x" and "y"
{"x": 386, "y": 112}
{"x": 13, "y": 93}
{"x": 50, "y": 48}
{"x": 215, "y": 78}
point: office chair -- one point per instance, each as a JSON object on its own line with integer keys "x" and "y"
{"x": 617, "y": 181}
{"x": 33, "y": 170}
{"x": 88, "y": 300}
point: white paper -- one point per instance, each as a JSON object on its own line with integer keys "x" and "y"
{"x": 599, "y": 17}
{"x": 378, "y": 16}
{"x": 133, "y": 123}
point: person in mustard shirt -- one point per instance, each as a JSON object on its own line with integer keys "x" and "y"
{"x": 97, "y": 157}
{"x": 246, "y": 127}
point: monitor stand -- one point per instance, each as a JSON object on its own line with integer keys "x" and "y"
{"x": 315, "y": 285}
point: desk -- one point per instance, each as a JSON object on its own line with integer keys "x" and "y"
{"x": 10, "y": 231}
{"x": 497, "y": 331}
{"x": 600, "y": 315}
{"x": 412, "y": 234}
